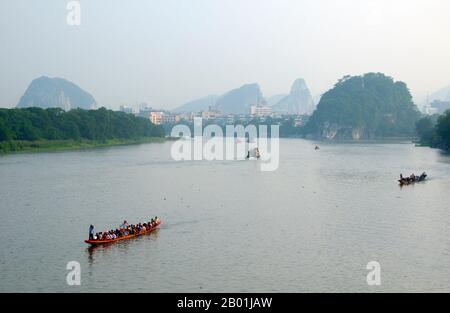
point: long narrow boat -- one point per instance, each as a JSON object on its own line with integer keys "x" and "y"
{"x": 418, "y": 179}
{"x": 102, "y": 242}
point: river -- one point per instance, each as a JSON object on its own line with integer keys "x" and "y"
{"x": 311, "y": 226}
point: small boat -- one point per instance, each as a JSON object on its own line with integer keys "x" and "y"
{"x": 102, "y": 242}
{"x": 409, "y": 181}
{"x": 253, "y": 154}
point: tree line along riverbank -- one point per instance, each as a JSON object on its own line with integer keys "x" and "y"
{"x": 434, "y": 131}
{"x": 36, "y": 129}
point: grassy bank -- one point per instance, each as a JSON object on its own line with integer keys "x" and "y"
{"x": 20, "y": 146}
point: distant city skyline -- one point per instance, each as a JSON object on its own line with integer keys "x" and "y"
{"x": 166, "y": 53}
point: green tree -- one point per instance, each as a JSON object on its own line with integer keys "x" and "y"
{"x": 31, "y": 124}
{"x": 372, "y": 103}
{"x": 425, "y": 130}
{"x": 443, "y": 130}
{"x": 5, "y": 132}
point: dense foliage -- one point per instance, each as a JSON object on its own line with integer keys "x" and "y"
{"x": 373, "y": 104}
{"x": 32, "y": 124}
{"x": 434, "y": 131}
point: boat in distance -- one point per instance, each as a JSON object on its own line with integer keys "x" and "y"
{"x": 412, "y": 179}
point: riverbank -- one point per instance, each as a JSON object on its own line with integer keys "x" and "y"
{"x": 21, "y": 146}
{"x": 433, "y": 146}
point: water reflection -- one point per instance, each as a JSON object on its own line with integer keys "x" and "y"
{"x": 119, "y": 246}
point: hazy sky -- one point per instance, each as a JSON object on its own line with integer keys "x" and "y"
{"x": 166, "y": 52}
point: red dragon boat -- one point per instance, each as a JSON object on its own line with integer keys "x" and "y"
{"x": 102, "y": 242}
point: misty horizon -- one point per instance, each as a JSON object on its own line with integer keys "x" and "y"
{"x": 167, "y": 53}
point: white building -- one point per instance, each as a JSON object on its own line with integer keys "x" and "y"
{"x": 429, "y": 110}
{"x": 207, "y": 115}
{"x": 156, "y": 117}
{"x": 160, "y": 117}
{"x": 260, "y": 110}
{"x": 168, "y": 118}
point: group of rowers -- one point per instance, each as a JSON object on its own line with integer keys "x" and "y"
{"x": 124, "y": 229}
{"x": 412, "y": 178}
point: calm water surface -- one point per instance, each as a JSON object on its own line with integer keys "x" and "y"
{"x": 312, "y": 225}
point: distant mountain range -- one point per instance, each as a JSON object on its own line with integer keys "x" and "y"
{"x": 271, "y": 101}
{"x": 198, "y": 105}
{"x": 239, "y": 100}
{"x": 236, "y": 101}
{"x": 299, "y": 100}
{"x": 46, "y": 92}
